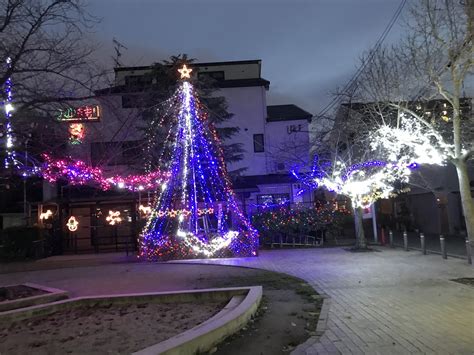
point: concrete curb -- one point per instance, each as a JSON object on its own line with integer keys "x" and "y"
{"x": 205, "y": 336}
{"x": 52, "y": 295}
{"x": 243, "y": 304}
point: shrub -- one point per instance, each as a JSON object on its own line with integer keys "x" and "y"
{"x": 305, "y": 221}
{"x": 22, "y": 243}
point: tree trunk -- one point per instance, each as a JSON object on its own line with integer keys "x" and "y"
{"x": 466, "y": 199}
{"x": 361, "y": 242}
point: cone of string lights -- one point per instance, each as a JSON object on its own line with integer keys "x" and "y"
{"x": 195, "y": 214}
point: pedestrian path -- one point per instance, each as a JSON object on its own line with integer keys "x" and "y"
{"x": 387, "y": 302}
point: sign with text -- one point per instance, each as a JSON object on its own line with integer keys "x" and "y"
{"x": 88, "y": 113}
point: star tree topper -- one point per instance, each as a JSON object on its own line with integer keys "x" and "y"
{"x": 185, "y": 72}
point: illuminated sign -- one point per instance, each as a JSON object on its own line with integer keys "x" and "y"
{"x": 89, "y": 113}
{"x": 77, "y": 132}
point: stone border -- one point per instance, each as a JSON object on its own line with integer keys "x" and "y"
{"x": 321, "y": 326}
{"x": 51, "y": 295}
{"x": 206, "y": 335}
{"x": 243, "y": 304}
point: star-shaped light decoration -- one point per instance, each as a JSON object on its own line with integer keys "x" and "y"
{"x": 185, "y": 72}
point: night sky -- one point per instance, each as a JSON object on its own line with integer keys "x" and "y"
{"x": 308, "y": 48}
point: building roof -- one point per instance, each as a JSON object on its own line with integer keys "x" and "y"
{"x": 236, "y": 83}
{"x": 276, "y": 113}
{"x": 235, "y": 62}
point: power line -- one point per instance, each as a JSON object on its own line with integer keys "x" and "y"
{"x": 357, "y": 74}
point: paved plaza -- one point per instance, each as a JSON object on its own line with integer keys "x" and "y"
{"x": 387, "y": 302}
{"x": 384, "y": 302}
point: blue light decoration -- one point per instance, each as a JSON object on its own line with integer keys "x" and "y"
{"x": 363, "y": 183}
{"x": 198, "y": 181}
{"x": 10, "y": 159}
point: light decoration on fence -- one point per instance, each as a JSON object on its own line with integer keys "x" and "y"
{"x": 10, "y": 159}
{"x": 145, "y": 210}
{"x": 45, "y": 215}
{"x": 114, "y": 218}
{"x": 77, "y": 172}
{"x": 198, "y": 178}
{"x": 72, "y": 224}
{"x": 183, "y": 212}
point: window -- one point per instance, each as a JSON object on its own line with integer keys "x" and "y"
{"x": 216, "y": 75}
{"x": 273, "y": 199}
{"x": 258, "y": 143}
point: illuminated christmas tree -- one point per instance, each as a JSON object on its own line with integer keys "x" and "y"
{"x": 195, "y": 214}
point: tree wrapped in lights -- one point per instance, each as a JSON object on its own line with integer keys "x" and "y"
{"x": 195, "y": 214}
{"x": 413, "y": 140}
{"x": 363, "y": 183}
{"x": 424, "y": 78}
{"x": 10, "y": 158}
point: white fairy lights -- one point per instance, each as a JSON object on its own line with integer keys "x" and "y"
{"x": 412, "y": 142}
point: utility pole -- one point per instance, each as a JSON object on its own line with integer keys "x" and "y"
{"x": 470, "y": 18}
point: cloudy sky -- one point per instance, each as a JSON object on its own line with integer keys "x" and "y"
{"x": 308, "y": 48}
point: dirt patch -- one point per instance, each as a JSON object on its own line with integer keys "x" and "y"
{"x": 116, "y": 329}
{"x": 465, "y": 281}
{"x": 287, "y": 316}
{"x": 9, "y": 293}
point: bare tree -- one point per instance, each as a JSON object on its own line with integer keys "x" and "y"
{"x": 420, "y": 83}
{"x": 50, "y": 52}
{"x": 348, "y": 167}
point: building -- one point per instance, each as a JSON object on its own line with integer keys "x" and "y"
{"x": 272, "y": 137}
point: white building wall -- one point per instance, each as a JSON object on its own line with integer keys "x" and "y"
{"x": 287, "y": 145}
{"x": 248, "y": 104}
{"x": 234, "y": 71}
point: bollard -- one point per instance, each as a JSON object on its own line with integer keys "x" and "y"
{"x": 405, "y": 240}
{"x": 443, "y": 246}
{"x": 469, "y": 251}
{"x": 390, "y": 236}
{"x": 423, "y": 245}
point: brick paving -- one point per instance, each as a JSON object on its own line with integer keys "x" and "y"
{"x": 387, "y": 302}
{"x": 455, "y": 245}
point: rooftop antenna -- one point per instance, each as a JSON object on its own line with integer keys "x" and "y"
{"x": 118, "y": 53}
